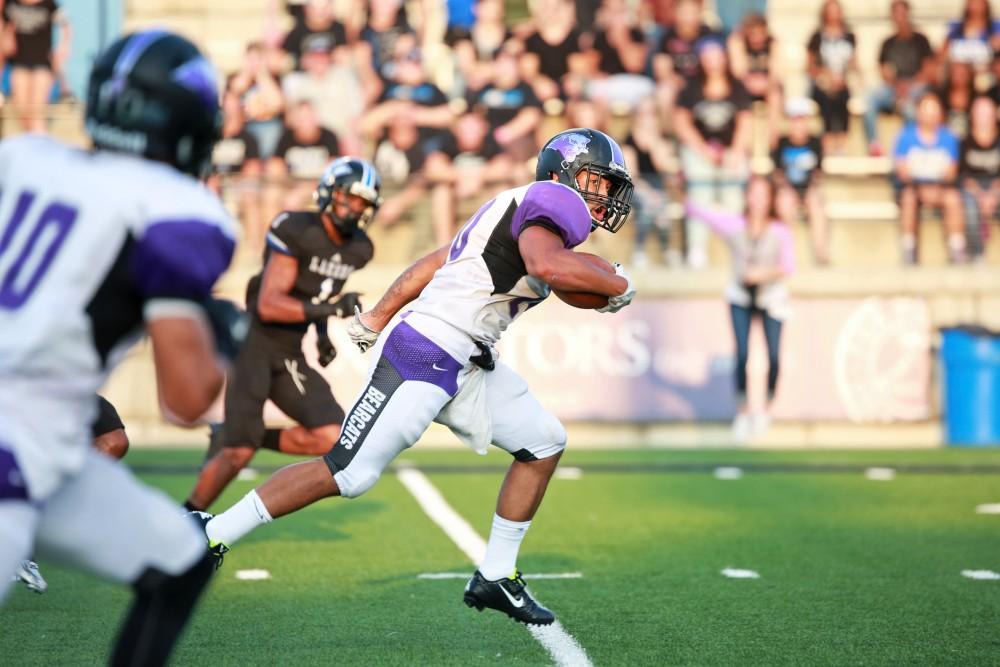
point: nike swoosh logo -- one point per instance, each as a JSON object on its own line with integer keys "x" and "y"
{"x": 517, "y": 602}
{"x": 435, "y": 367}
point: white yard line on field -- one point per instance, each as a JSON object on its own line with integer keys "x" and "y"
{"x": 880, "y": 474}
{"x": 468, "y": 575}
{"x": 982, "y": 575}
{"x": 738, "y": 573}
{"x": 988, "y": 508}
{"x": 564, "y": 649}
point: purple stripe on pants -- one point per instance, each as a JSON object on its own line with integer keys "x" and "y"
{"x": 416, "y": 357}
{"x": 12, "y": 484}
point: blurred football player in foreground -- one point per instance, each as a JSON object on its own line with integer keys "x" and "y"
{"x": 96, "y": 246}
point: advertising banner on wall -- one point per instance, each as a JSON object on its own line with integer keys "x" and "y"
{"x": 861, "y": 360}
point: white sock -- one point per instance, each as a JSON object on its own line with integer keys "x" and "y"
{"x": 238, "y": 520}
{"x": 501, "y": 551}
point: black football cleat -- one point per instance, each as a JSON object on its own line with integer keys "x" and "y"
{"x": 508, "y": 596}
{"x": 217, "y": 549}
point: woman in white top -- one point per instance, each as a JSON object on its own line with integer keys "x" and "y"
{"x": 763, "y": 257}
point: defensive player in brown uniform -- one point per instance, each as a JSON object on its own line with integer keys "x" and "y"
{"x": 308, "y": 258}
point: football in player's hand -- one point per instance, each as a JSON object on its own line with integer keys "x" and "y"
{"x": 588, "y": 300}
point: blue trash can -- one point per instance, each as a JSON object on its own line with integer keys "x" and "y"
{"x": 971, "y": 360}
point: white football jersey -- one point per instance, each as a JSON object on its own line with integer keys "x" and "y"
{"x": 484, "y": 285}
{"x": 88, "y": 240}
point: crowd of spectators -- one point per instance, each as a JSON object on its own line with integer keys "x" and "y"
{"x": 451, "y": 100}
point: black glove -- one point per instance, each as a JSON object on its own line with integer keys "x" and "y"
{"x": 346, "y": 304}
{"x": 484, "y": 359}
{"x": 324, "y": 346}
{"x": 342, "y": 307}
{"x": 229, "y": 323}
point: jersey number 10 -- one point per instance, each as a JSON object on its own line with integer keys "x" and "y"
{"x": 23, "y": 265}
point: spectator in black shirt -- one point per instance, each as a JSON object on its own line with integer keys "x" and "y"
{"x": 511, "y": 108}
{"x": 831, "y": 55}
{"x": 979, "y": 174}
{"x": 386, "y": 25}
{"x": 615, "y": 57}
{"x": 957, "y": 93}
{"x": 678, "y": 48}
{"x": 304, "y": 150}
{"x": 409, "y": 93}
{"x": 676, "y": 59}
{"x": 798, "y": 162}
{"x": 906, "y": 63}
{"x": 312, "y": 17}
{"x": 474, "y": 54}
{"x": 754, "y": 56}
{"x": 478, "y": 161}
{"x": 756, "y": 62}
{"x": 619, "y": 44}
{"x": 713, "y": 124}
{"x": 420, "y": 164}
{"x": 27, "y": 45}
{"x": 552, "y": 51}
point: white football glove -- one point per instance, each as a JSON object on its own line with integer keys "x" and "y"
{"x": 616, "y": 303}
{"x": 360, "y": 334}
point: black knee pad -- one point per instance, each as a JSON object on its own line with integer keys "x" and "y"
{"x": 242, "y": 429}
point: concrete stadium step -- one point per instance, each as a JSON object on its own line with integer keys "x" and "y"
{"x": 65, "y": 121}
{"x": 853, "y": 189}
{"x": 223, "y": 27}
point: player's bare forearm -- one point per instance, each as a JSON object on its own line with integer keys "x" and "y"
{"x": 565, "y": 270}
{"x": 281, "y": 308}
{"x": 545, "y": 258}
{"x": 405, "y": 289}
{"x": 275, "y": 303}
{"x": 189, "y": 376}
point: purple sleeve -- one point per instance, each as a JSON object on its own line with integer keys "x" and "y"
{"x": 180, "y": 258}
{"x": 722, "y": 222}
{"x": 554, "y": 205}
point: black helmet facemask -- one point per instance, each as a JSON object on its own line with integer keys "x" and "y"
{"x": 617, "y": 202}
{"x": 353, "y": 177}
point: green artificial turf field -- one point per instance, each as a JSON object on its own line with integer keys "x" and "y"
{"x": 852, "y": 571}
